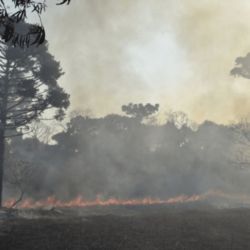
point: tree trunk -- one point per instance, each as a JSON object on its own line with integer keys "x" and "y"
{"x": 3, "y": 114}
{"x": 2, "y": 151}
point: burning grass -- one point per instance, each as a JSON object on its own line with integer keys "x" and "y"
{"x": 182, "y": 222}
{"x": 213, "y": 196}
{"x": 81, "y": 202}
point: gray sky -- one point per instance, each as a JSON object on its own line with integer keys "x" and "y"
{"x": 173, "y": 52}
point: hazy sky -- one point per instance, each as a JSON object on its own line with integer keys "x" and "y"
{"x": 174, "y": 52}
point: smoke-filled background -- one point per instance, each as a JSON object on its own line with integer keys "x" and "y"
{"x": 126, "y": 157}
{"x": 176, "y": 53}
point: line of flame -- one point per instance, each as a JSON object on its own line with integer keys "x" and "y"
{"x": 81, "y": 202}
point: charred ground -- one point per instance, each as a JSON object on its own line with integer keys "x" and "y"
{"x": 137, "y": 227}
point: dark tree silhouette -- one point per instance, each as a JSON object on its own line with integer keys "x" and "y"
{"x": 28, "y": 87}
{"x": 140, "y": 111}
{"x": 19, "y": 175}
{"x": 242, "y": 129}
{"x": 11, "y": 17}
{"x": 242, "y": 67}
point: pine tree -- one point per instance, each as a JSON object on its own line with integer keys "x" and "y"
{"x": 28, "y": 87}
{"x": 15, "y": 12}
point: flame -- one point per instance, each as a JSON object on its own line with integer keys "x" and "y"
{"x": 81, "y": 202}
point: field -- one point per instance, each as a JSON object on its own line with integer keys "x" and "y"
{"x": 145, "y": 228}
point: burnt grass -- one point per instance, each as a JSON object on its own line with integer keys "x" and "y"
{"x": 147, "y": 228}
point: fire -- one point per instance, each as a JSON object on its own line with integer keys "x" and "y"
{"x": 81, "y": 202}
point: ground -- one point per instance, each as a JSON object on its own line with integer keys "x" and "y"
{"x": 145, "y": 228}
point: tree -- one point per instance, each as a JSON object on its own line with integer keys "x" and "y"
{"x": 18, "y": 177}
{"x": 44, "y": 132}
{"x": 15, "y": 13}
{"x": 140, "y": 111}
{"x": 242, "y": 67}
{"x": 241, "y": 132}
{"x": 180, "y": 119}
{"x": 28, "y": 87}
{"x": 242, "y": 129}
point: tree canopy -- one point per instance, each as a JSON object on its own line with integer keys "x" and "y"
{"x": 119, "y": 156}
{"x": 10, "y": 18}
{"x": 28, "y": 87}
{"x": 242, "y": 67}
{"x": 140, "y": 110}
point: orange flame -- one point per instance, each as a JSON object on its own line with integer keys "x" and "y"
{"x": 81, "y": 202}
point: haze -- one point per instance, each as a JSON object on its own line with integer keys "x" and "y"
{"x": 176, "y": 53}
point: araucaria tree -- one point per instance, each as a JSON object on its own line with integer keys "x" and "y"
{"x": 28, "y": 87}
{"x": 15, "y": 12}
{"x": 140, "y": 111}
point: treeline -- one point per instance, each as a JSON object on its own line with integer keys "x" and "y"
{"x": 124, "y": 157}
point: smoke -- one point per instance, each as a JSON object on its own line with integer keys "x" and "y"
{"x": 176, "y": 53}
{"x": 172, "y": 52}
{"x": 117, "y": 156}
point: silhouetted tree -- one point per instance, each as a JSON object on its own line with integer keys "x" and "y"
{"x": 242, "y": 67}
{"x": 12, "y": 16}
{"x": 242, "y": 129}
{"x": 119, "y": 156}
{"x": 140, "y": 111}
{"x": 241, "y": 156}
{"x": 19, "y": 175}
{"x": 28, "y": 87}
